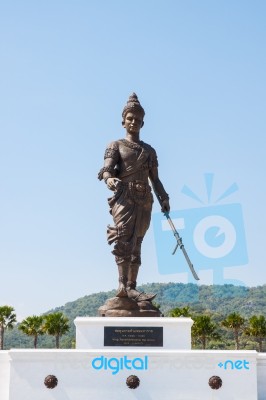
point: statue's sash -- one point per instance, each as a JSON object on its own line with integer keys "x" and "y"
{"x": 141, "y": 160}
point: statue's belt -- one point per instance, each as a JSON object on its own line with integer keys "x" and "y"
{"x": 139, "y": 186}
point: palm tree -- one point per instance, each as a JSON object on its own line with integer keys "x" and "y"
{"x": 204, "y": 329}
{"x": 236, "y": 323}
{"x": 32, "y": 326}
{"x": 257, "y": 329}
{"x": 7, "y": 320}
{"x": 56, "y": 324}
{"x": 180, "y": 312}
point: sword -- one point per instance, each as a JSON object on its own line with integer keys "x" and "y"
{"x": 179, "y": 242}
{"x": 181, "y": 245}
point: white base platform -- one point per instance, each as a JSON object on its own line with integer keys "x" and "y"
{"x": 100, "y": 373}
{"x": 176, "y": 331}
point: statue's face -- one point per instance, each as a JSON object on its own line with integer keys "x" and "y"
{"x": 133, "y": 121}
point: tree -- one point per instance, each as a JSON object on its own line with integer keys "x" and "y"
{"x": 204, "y": 329}
{"x": 56, "y": 324}
{"x": 180, "y": 312}
{"x": 7, "y": 320}
{"x": 32, "y": 326}
{"x": 257, "y": 329}
{"x": 236, "y": 323}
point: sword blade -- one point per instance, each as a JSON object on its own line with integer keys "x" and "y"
{"x": 190, "y": 263}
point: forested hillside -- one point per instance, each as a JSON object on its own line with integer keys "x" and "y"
{"x": 216, "y": 301}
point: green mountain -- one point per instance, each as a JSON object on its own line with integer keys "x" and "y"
{"x": 217, "y": 301}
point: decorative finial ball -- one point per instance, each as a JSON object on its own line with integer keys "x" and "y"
{"x": 215, "y": 382}
{"x": 51, "y": 381}
{"x": 132, "y": 382}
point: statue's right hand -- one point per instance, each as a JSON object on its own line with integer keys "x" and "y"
{"x": 112, "y": 183}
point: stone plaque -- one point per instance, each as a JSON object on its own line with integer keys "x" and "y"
{"x": 133, "y": 336}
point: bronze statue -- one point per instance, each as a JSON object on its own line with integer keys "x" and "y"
{"x": 129, "y": 165}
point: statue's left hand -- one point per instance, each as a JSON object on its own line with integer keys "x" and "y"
{"x": 165, "y": 205}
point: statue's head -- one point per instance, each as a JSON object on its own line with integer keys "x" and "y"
{"x": 133, "y": 105}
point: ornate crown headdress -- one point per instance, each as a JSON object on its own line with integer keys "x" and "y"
{"x": 133, "y": 104}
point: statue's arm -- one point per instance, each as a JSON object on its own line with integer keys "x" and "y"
{"x": 159, "y": 189}
{"x": 108, "y": 172}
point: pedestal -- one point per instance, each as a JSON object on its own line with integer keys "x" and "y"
{"x": 125, "y": 307}
{"x": 132, "y": 358}
{"x": 92, "y": 333}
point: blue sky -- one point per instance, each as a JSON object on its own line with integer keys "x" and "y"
{"x": 67, "y": 69}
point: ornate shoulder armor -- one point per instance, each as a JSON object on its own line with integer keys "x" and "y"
{"x": 112, "y": 151}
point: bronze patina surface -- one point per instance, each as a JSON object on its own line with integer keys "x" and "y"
{"x": 130, "y": 166}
